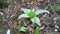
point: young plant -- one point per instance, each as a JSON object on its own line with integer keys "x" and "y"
{"x": 37, "y": 31}
{"x": 24, "y": 29}
{"x": 32, "y": 14}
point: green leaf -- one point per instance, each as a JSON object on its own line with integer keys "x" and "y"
{"x": 23, "y": 29}
{"x": 36, "y": 20}
{"x": 23, "y": 15}
{"x": 26, "y": 10}
{"x": 41, "y": 11}
{"x": 33, "y": 20}
{"x": 36, "y": 31}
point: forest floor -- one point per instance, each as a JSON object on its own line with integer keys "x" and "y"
{"x": 14, "y": 10}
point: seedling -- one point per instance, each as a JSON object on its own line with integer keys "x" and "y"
{"x": 32, "y": 14}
